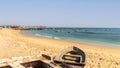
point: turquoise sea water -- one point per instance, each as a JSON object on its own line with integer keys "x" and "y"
{"x": 91, "y": 35}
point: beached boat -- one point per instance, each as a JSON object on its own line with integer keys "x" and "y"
{"x": 72, "y": 57}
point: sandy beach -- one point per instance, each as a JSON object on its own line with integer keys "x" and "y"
{"x": 13, "y": 43}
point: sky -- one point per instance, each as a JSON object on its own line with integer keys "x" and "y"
{"x": 61, "y": 13}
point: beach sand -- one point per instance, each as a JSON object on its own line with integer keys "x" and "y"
{"x": 13, "y": 43}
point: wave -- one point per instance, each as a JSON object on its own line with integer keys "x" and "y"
{"x": 38, "y": 35}
{"x": 53, "y": 37}
{"x": 56, "y": 38}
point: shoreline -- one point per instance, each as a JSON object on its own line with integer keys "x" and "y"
{"x": 85, "y": 42}
{"x": 13, "y": 43}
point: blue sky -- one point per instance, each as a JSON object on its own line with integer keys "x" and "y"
{"x": 61, "y": 13}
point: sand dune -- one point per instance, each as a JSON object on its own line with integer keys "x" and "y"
{"x": 13, "y": 43}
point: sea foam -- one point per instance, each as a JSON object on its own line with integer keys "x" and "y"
{"x": 53, "y": 37}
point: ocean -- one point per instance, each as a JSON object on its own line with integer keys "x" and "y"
{"x": 90, "y": 35}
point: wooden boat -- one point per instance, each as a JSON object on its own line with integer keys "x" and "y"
{"x": 72, "y": 57}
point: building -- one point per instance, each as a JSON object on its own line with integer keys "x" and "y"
{"x": 9, "y": 26}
